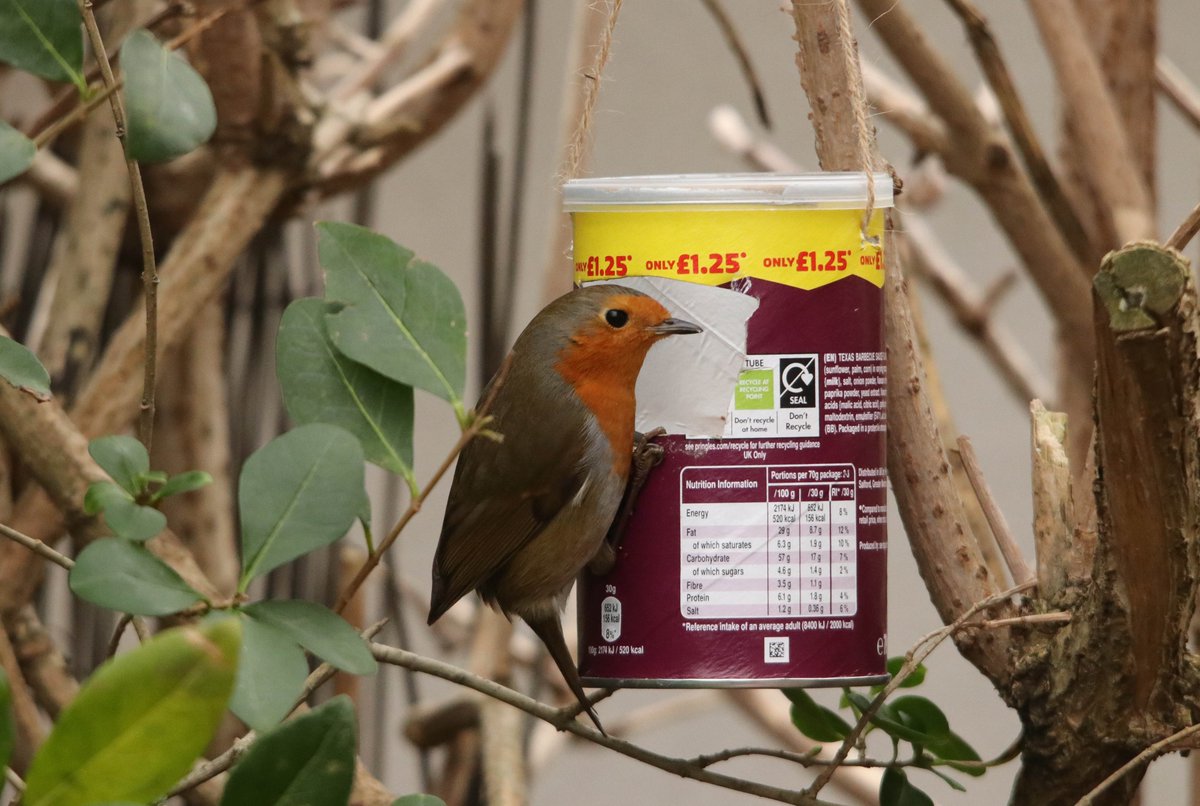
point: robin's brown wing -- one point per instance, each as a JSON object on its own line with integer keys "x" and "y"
{"x": 505, "y": 493}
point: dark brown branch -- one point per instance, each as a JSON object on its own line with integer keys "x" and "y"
{"x": 1146, "y": 388}
{"x": 995, "y": 69}
{"x": 1121, "y": 669}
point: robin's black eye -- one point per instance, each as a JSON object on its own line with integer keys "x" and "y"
{"x": 616, "y": 317}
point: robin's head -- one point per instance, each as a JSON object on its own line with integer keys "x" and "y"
{"x": 609, "y": 329}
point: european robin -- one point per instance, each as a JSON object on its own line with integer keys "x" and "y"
{"x": 528, "y": 511}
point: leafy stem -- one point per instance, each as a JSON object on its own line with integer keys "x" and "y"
{"x": 145, "y": 234}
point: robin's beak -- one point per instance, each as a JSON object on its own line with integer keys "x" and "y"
{"x": 672, "y": 327}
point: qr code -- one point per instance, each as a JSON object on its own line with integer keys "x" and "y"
{"x": 775, "y": 650}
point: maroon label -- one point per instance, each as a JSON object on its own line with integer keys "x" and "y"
{"x": 762, "y": 555}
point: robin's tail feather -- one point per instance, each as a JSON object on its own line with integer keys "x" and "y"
{"x": 549, "y": 629}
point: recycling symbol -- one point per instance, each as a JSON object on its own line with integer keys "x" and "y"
{"x": 798, "y": 382}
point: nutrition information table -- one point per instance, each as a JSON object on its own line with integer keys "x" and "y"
{"x": 767, "y": 542}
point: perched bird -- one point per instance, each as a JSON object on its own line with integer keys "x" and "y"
{"x": 528, "y": 511}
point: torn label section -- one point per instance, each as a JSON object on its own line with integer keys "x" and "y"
{"x": 686, "y": 383}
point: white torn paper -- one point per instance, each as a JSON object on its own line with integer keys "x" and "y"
{"x": 687, "y": 382}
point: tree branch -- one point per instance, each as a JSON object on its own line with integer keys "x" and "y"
{"x": 1174, "y": 84}
{"x": 1049, "y": 186}
{"x": 1100, "y": 133}
{"x": 1013, "y": 558}
{"x": 950, "y": 561}
{"x": 912, "y": 659}
{"x": 982, "y": 158}
{"x": 564, "y": 720}
{"x": 473, "y": 49}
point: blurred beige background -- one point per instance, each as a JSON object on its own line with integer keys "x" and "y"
{"x": 669, "y": 69}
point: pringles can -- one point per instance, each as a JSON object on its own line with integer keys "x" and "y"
{"x": 757, "y": 553}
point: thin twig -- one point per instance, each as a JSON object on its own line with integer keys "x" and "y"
{"x": 210, "y": 769}
{"x": 812, "y": 759}
{"x": 1057, "y": 617}
{"x": 972, "y": 310}
{"x": 118, "y": 631}
{"x": 478, "y": 426}
{"x": 1159, "y": 748}
{"x": 50, "y": 133}
{"x": 1013, "y": 557}
{"x": 742, "y": 54}
{"x": 37, "y": 547}
{"x": 1186, "y": 230}
{"x": 142, "y": 214}
{"x": 563, "y": 720}
{"x": 14, "y": 780}
{"x": 402, "y": 31}
{"x": 1175, "y": 85}
{"x": 912, "y": 659}
{"x": 42, "y": 550}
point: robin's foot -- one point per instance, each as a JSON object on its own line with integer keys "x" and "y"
{"x": 646, "y": 457}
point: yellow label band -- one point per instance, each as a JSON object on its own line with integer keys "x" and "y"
{"x": 802, "y": 248}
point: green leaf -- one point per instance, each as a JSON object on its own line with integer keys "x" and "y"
{"x": 183, "y": 483}
{"x": 134, "y": 521}
{"x": 895, "y": 790}
{"x": 16, "y": 152}
{"x": 419, "y": 800}
{"x": 319, "y": 630}
{"x": 915, "y": 679}
{"x": 320, "y": 385}
{"x": 815, "y": 721}
{"x": 152, "y": 477}
{"x": 140, "y": 721}
{"x": 8, "y": 730}
{"x": 123, "y": 458}
{"x": 270, "y": 676}
{"x": 299, "y": 492}
{"x": 923, "y": 715}
{"x": 126, "y": 518}
{"x": 125, "y": 576}
{"x": 169, "y": 107}
{"x": 954, "y": 748}
{"x": 43, "y": 37}
{"x": 101, "y": 495}
{"x": 21, "y": 368}
{"x": 306, "y": 761}
{"x": 893, "y": 723}
{"x": 401, "y": 317}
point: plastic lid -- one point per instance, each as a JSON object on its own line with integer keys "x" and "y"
{"x": 832, "y": 190}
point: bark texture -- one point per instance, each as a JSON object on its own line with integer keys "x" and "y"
{"x": 1118, "y": 677}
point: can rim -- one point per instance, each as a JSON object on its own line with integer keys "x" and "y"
{"x": 839, "y": 190}
{"x": 593, "y": 681}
